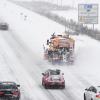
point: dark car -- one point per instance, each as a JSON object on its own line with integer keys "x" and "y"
{"x": 3, "y": 26}
{"x": 53, "y": 78}
{"x": 9, "y": 90}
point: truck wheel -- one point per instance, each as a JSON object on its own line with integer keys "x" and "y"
{"x": 46, "y": 87}
{"x": 84, "y": 96}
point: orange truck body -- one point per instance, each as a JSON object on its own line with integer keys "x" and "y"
{"x": 62, "y": 42}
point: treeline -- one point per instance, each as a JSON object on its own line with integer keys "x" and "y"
{"x": 71, "y": 24}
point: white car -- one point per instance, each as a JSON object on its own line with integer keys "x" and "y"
{"x": 92, "y": 93}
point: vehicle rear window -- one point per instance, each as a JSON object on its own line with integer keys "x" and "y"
{"x": 54, "y": 72}
{"x": 8, "y": 87}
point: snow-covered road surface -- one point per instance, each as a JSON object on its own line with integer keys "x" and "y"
{"x": 21, "y": 56}
{"x": 19, "y": 66}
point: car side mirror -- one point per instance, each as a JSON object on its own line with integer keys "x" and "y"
{"x": 43, "y": 74}
{"x": 18, "y": 85}
{"x": 47, "y": 42}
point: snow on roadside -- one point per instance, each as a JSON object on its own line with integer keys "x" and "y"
{"x": 69, "y": 14}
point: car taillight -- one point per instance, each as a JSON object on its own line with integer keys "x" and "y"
{"x": 15, "y": 93}
{"x": 1, "y": 92}
{"x": 98, "y": 96}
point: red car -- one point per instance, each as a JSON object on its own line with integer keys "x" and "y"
{"x": 9, "y": 90}
{"x": 53, "y": 78}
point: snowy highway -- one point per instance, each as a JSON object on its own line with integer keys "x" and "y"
{"x": 21, "y": 51}
{"x": 17, "y": 64}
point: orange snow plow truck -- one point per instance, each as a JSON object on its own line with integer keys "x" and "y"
{"x": 59, "y": 48}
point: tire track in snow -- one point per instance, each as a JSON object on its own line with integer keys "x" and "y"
{"x": 6, "y": 73}
{"x": 16, "y": 74}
